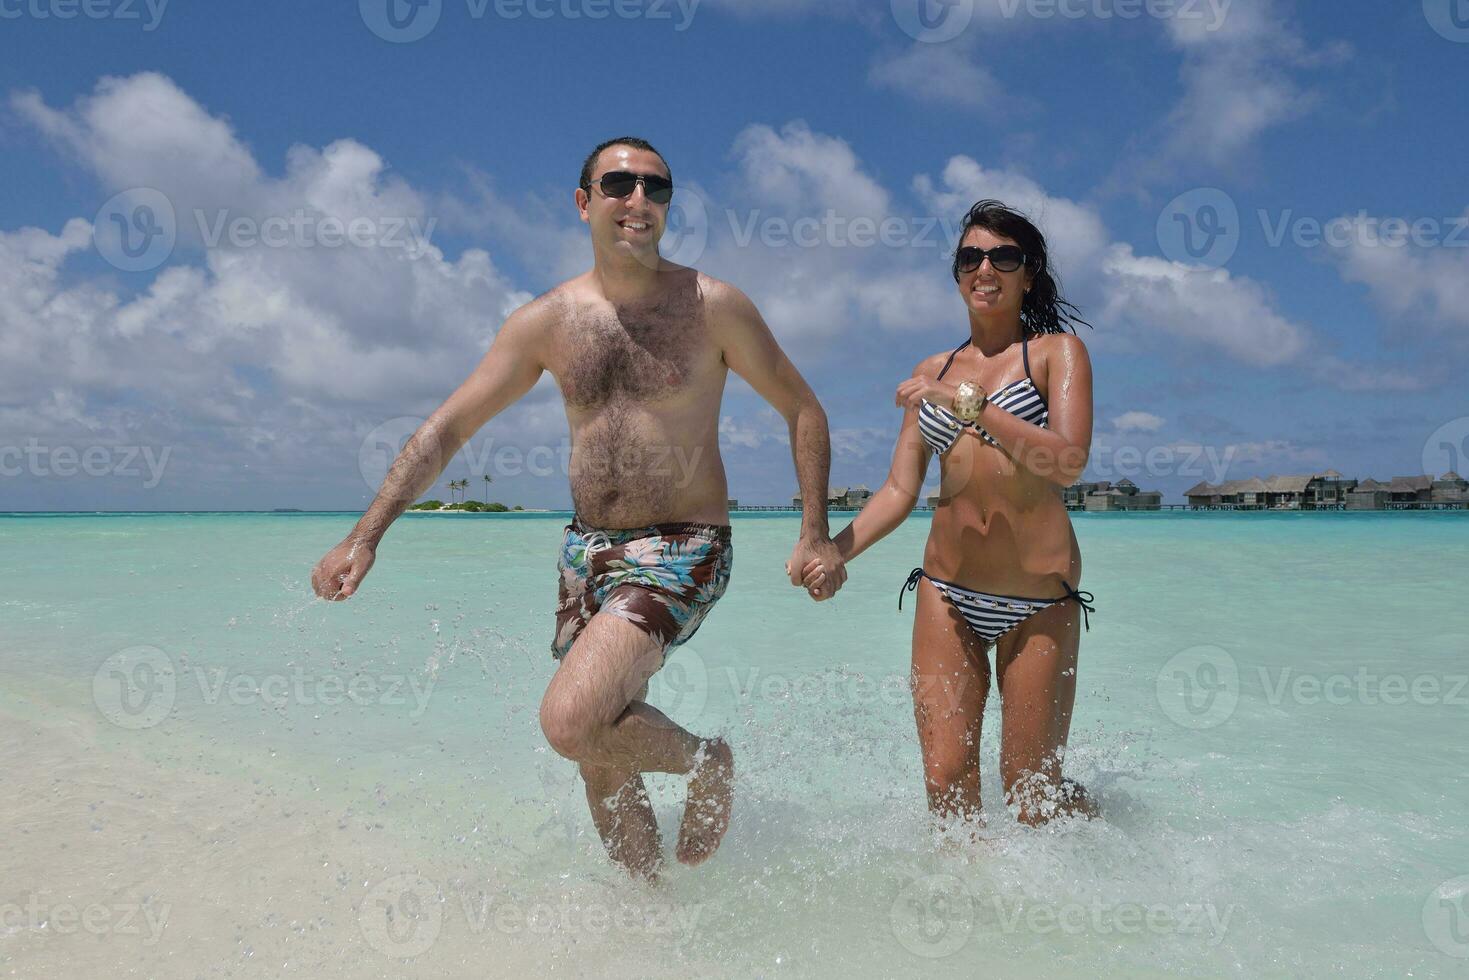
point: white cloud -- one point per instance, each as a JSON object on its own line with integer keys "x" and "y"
{"x": 1209, "y": 307}
{"x": 252, "y": 341}
{"x": 1428, "y": 284}
{"x": 938, "y": 73}
{"x": 1137, "y": 422}
{"x": 1240, "y": 80}
{"x": 1275, "y": 452}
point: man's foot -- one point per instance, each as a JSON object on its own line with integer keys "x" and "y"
{"x": 711, "y": 796}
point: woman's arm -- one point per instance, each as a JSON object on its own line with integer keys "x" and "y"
{"x": 895, "y": 499}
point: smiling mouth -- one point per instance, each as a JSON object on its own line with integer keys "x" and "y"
{"x": 632, "y": 224}
{"x": 986, "y": 290}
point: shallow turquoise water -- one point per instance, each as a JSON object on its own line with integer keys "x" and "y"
{"x": 1271, "y": 707}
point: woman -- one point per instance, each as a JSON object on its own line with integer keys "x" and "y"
{"x": 1009, "y": 412}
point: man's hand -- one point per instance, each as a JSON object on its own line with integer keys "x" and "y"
{"x": 914, "y": 391}
{"x": 833, "y": 568}
{"x": 342, "y": 569}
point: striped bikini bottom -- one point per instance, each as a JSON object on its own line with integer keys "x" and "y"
{"x": 992, "y": 616}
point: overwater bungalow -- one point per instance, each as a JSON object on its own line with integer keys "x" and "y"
{"x": 841, "y": 498}
{"x": 1125, "y": 496}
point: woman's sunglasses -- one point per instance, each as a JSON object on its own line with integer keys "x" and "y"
{"x": 621, "y": 183}
{"x": 1003, "y": 258}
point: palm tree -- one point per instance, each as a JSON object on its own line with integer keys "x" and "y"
{"x": 488, "y": 481}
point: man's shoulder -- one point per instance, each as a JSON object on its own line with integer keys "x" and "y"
{"x": 549, "y": 308}
{"x": 724, "y": 302}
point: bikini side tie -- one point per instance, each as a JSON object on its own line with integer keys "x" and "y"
{"x": 1082, "y": 598}
{"x": 911, "y": 585}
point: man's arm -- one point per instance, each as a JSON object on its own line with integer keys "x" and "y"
{"x": 751, "y": 351}
{"x": 508, "y": 370}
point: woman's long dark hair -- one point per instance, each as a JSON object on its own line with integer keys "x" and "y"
{"x": 1043, "y": 310}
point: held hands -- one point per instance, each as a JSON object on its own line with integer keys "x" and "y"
{"x": 342, "y": 569}
{"x": 817, "y": 565}
{"x": 914, "y": 391}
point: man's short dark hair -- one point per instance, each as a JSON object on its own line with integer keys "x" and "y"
{"x": 632, "y": 141}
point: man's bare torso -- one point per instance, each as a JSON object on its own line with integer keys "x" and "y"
{"x": 642, "y": 387}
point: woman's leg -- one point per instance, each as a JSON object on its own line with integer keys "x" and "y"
{"x": 1036, "y": 663}
{"x": 951, "y": 681}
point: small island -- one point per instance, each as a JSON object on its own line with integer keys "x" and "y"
{"x": 467, "y": 507}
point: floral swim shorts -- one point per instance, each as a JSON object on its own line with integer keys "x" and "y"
{"x": 663, "y": 579}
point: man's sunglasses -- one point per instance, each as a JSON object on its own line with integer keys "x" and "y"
{"x": 621, "y": 183}
{"x": 1003, "y": 258}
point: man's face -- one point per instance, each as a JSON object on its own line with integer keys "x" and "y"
{"x": 633, "y": 224}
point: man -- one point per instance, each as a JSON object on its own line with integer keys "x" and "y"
{"x": 640, "y": 348}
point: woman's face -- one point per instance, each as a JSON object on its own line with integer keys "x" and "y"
{"x": 986, "y": 290}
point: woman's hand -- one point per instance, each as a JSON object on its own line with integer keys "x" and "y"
{"x": 914, "y": 391}
{"x": 814, "y": 577}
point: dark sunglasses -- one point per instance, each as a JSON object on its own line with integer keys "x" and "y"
{"x": 620, "y": 183}
{"x": 1004, "y": 258}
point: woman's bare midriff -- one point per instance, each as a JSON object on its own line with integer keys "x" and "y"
{"x": 1000, "y": 529}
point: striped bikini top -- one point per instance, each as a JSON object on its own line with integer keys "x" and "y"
{"x": 1021, "y": 398}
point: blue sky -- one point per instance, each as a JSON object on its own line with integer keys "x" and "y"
{"x": 1186, "y": 162}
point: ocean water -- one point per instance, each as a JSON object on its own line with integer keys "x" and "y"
{"x": 204, "y": 772}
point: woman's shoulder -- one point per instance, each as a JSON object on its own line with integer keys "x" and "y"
{"x": 931, "y": 365}
{"x": 1057, "y": 345}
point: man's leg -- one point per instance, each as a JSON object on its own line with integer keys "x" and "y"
{"x": 592, "y": 715}
{"x": 623, "y": 816}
